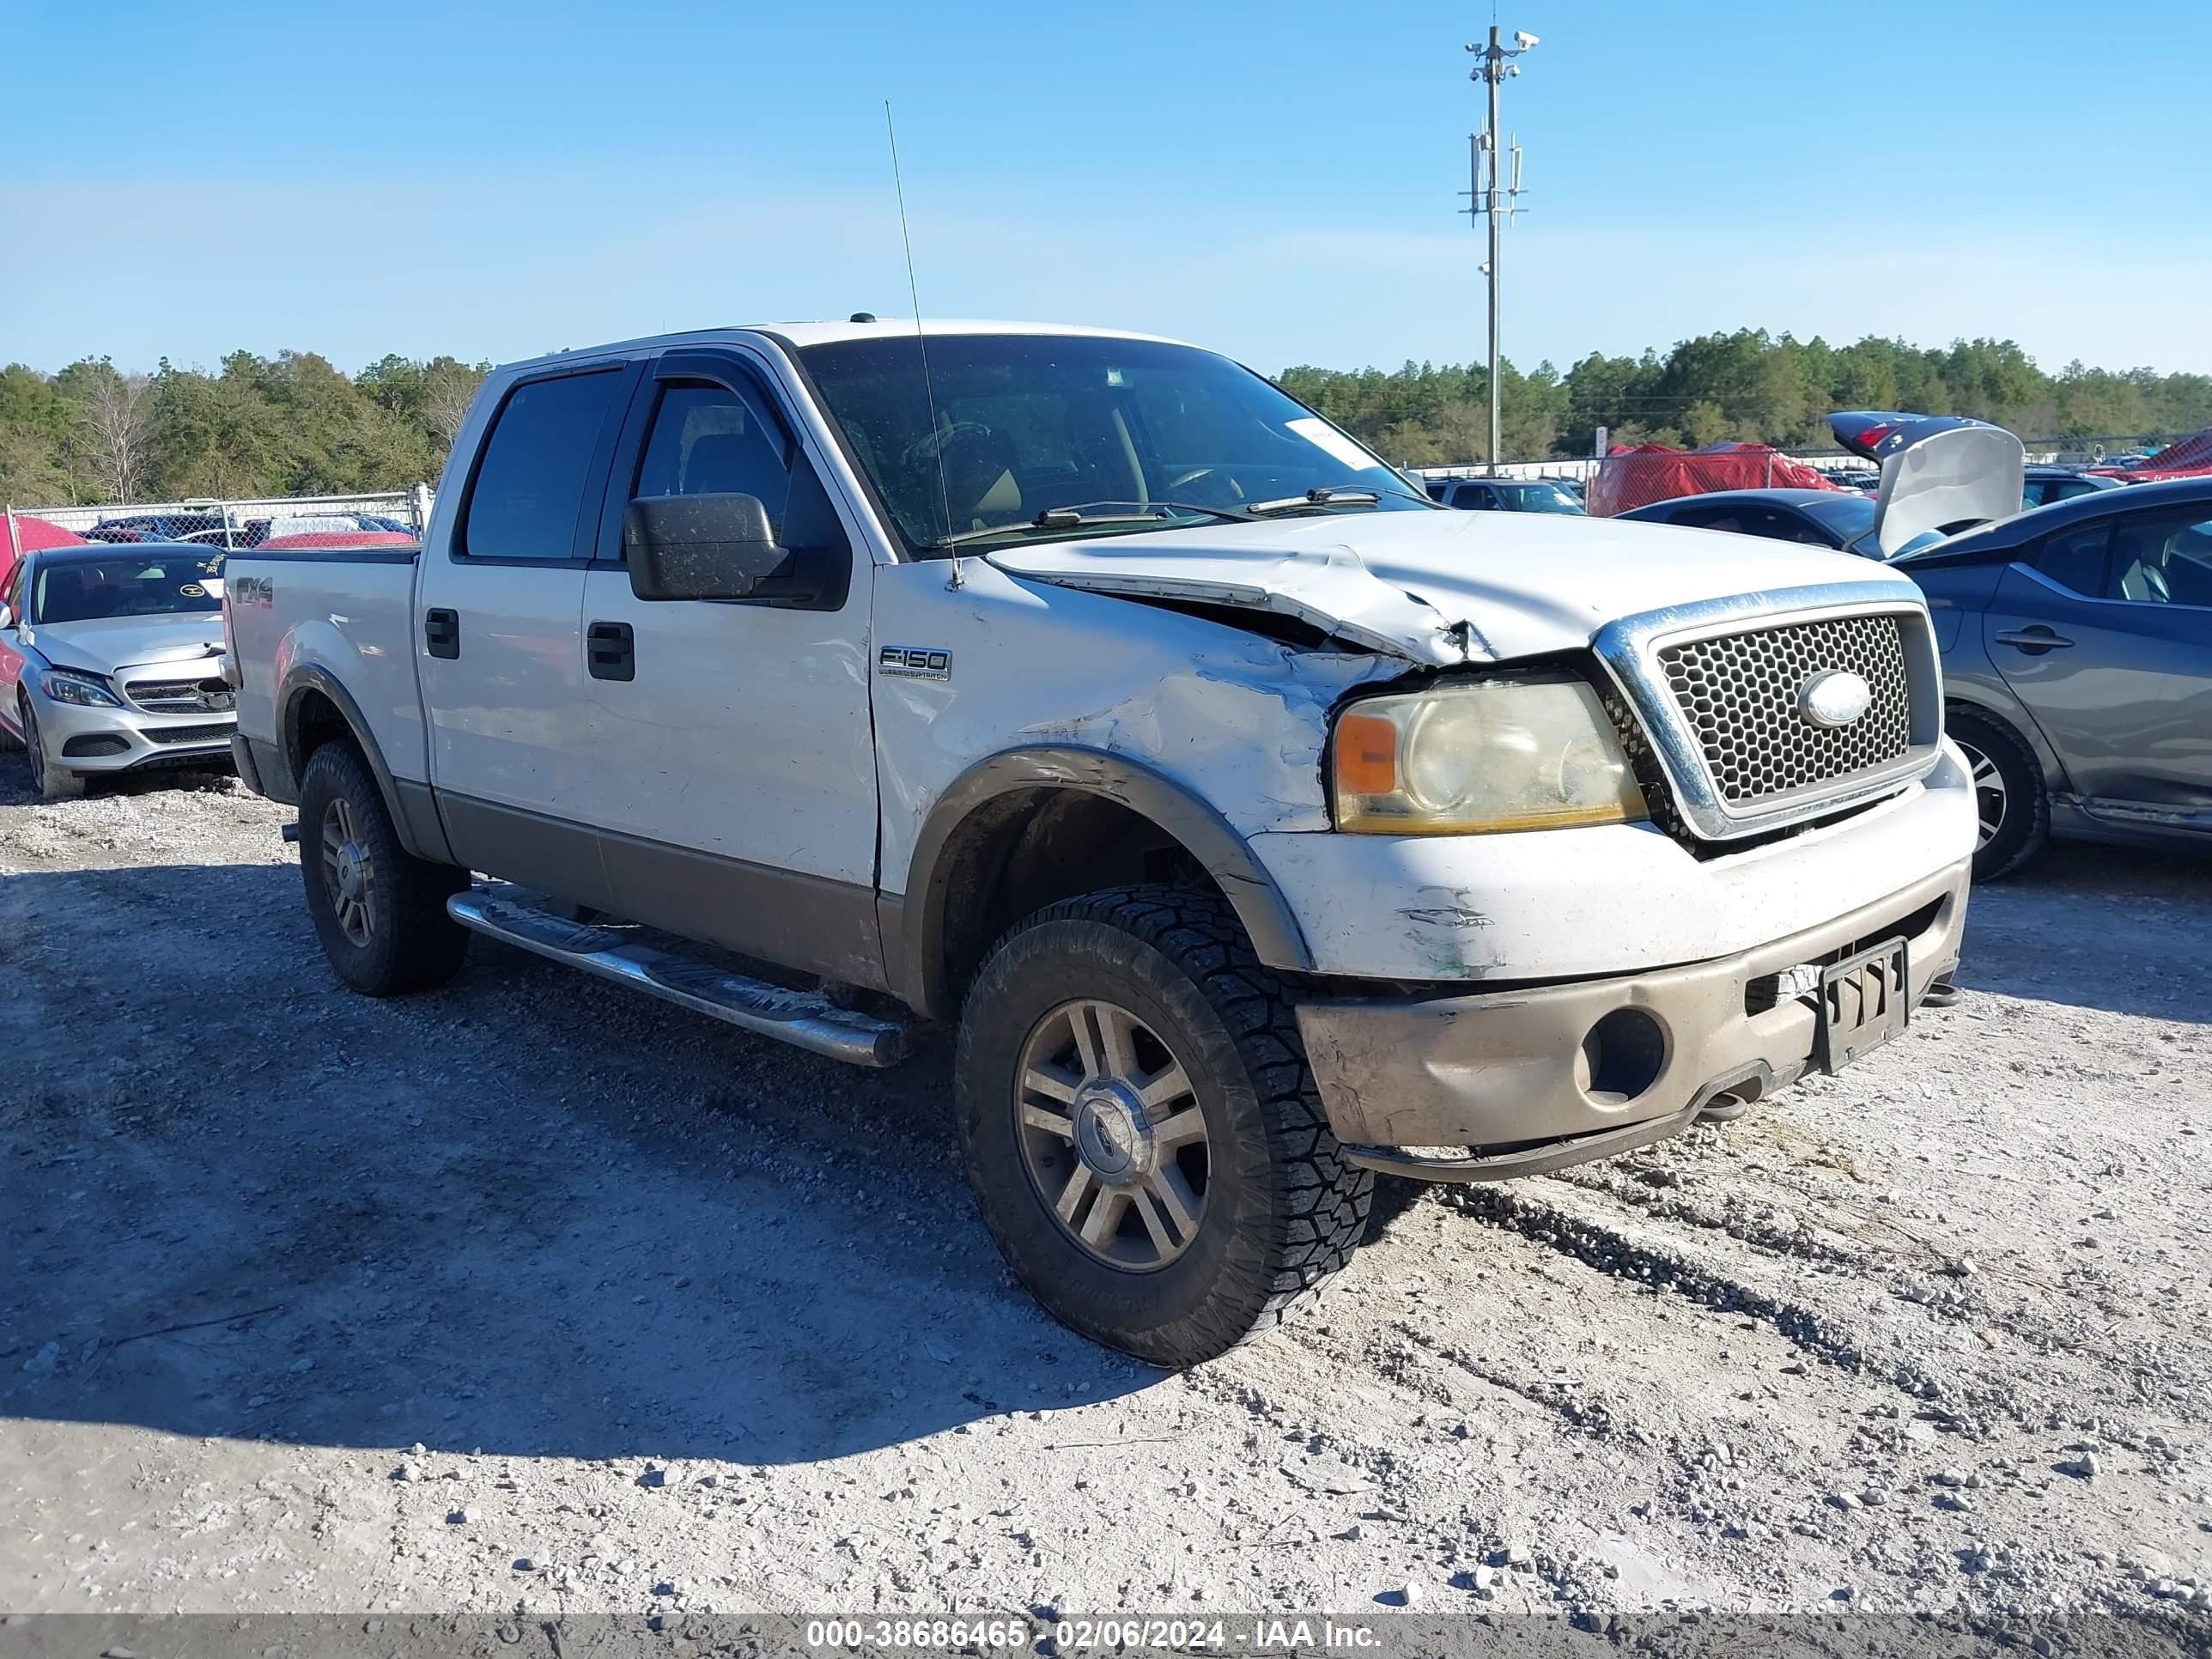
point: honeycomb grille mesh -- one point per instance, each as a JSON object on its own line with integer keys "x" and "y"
{"x": 1738, "y": 694}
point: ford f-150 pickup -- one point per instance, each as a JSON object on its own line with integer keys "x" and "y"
{"x": 1260, "y": 824}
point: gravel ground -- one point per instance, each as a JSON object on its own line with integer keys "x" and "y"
{"x": 530, "y": 1295}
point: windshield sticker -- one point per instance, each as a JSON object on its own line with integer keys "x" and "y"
{"x": 192, "y": 591}
{"x": 1324, "y": 437}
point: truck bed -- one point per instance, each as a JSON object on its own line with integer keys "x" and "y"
{"x": 343, "y": 613}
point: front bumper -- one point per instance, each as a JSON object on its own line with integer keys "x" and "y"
{"x": 1529, "y": 1081}
{"x": 103, "y": 740}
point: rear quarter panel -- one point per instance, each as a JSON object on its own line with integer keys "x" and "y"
{"x": 353, "y": 618}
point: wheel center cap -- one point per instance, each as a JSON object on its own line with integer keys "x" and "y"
{"x": 350, "y": 871}
{"x": 1112, "y": 1136}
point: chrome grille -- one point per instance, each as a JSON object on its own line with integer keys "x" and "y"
{"x": 1739, "y": 695}
{"x": 200, "y": 696}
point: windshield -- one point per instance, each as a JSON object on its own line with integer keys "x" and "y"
{"x": 93, "y": 590}
{"x": 1042, "y": 435}
{"x": 1852, "y": 517}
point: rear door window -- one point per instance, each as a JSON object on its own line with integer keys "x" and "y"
{"x": 537, "y": 465}
{"x": 2076, "y": 561}
{"x": 2161, "y": 559}
{"x": 1710, "y": 518}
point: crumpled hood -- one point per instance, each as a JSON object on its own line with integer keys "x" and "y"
{"x": 113, "y": 643}
{"x": 1442, "y": 587}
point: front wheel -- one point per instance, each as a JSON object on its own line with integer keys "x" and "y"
{"x": 378, "y": 910}
{"x": 51, "y": 780}
{"x": 2010, "y": 801}
{"x": 1141, "y": 1130}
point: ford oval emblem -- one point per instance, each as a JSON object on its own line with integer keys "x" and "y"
{"x": 1834, "y": 698}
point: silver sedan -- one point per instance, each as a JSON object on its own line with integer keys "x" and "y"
{"x": 108, "y": 662}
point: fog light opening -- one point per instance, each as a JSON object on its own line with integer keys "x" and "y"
{"x": 1622, "y": 1056}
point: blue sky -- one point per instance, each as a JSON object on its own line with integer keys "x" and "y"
{"x": 1278, "y": 179}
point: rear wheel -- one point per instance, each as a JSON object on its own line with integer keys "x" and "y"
{"x": 378, "y": 910}
{"x": 52, "y": 781}
{"x": 1140, "y": 1129}
{"x": 2011, "y": 797}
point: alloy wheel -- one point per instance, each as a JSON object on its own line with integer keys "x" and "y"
{"x": 1112, "y": 1134}
{"x": 349, "y": 871}
{"x": 1989, "y": 793}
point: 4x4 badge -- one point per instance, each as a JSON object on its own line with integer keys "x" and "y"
{"x": 915, "y": 662}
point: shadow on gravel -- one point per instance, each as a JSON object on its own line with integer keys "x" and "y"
{"x": 529, "y": 1215}
{"x": 2115, "y": 928}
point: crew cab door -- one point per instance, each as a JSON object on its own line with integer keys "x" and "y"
{"x": 498, "y": 637}
{"x": 2103, "y": 632}
{"x": 730, "y": 745}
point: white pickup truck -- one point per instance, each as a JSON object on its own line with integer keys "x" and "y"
{"x": 1261, "y": 824}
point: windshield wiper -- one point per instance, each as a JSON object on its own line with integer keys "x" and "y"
{"x": 1317, "y": 499}
{"x": 1081, "y": 518}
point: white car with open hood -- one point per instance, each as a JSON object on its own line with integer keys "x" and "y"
{"x": 1260, "y": 824}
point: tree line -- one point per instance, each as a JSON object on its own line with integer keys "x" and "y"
{"x": 295, "y": 425}
{"x": 1748, "y": 385}
{"x": 287, "y": 425}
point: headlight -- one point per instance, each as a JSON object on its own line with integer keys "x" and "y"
{"x": 1460, "y": 760}
{"x": 82, "y": 689}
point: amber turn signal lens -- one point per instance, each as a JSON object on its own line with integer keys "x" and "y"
{"x": 1366, "y": 755}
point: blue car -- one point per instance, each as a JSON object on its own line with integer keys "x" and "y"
{"x": 2044, "y": 485}
{"x": 2078, "y": 669}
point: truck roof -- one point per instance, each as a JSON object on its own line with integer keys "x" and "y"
{"x": 826, "y": 333}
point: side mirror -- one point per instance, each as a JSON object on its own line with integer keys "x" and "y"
{"x": 700, "y": 547}
{"x": 7, "y": 618}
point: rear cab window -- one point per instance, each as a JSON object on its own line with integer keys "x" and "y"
{"x": 540, "y": 460}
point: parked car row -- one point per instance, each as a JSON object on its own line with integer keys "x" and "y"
{"x": 214, "y": 529}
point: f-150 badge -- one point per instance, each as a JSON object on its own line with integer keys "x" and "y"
{"x": 915, "y": 662}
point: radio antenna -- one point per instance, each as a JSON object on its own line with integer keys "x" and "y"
{"x": 922, "y": 341}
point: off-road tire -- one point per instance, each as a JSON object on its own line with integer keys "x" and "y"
{"x": 2025, "y": 826}
{"x": 412, "y": 943}
{"x": 1283, "y": 1210}
{"x": 53, "y": 782}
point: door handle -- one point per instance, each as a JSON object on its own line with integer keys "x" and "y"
{"x": 441, "y": 633}
{"x": 2035, "y": 639}
{"x": 611, "y": 651}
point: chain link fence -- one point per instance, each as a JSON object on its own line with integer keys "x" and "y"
{"x": 233, "y": 525}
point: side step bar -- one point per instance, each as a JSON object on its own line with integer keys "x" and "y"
{"x": 801, "y": 1018}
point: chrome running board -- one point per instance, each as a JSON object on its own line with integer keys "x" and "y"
{"x": 804, "y": 1019}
